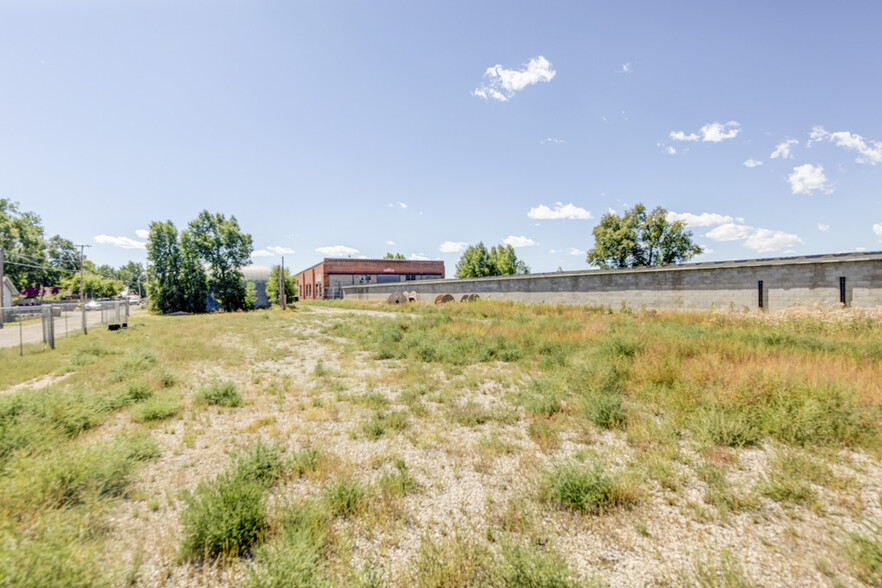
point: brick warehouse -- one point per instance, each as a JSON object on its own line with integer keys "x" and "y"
{"x": 327, "y": 278}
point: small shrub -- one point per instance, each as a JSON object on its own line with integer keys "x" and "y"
{"x": 345, "y": 498}
{"x": 727, "y": 427}
{"x": 453, "y": 561}
{"x": 138, "y": 391}
{"x": 585, "y": 489}
{"x": 305, "y": 461}
{"x": 606, "y": 409}
{"x": 225, "y": 517}
{"x": 261, "y": 463}
{"x": 719, "y": 491}
{"x": 382, "y": 422}
{"x": 157, "y": 408}
{"x": 166, "y": 378}
{"x": 865, "y": 552}
{"x": 542, "y": 398}
{"x": 220, "y": 394}
{"x": 528, "y": 566}
{"x": 398, "y": 483}
{"x": 543, "y": 432}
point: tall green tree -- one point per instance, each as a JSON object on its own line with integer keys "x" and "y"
{"x": 504, "y": 262}
{"x": 272, "y": 286}
{"x": 164, "y": 264}
{"x": 219, "y": 242}
{"x": 477, "y": 262}
{"x": 638, "y": 238}
{"x": 130, "y": 275}
{"x": 192, "y": 279}
{"x": 393, "y": 256}
{"x": 64, "y": 256}
{"x": 21, "y": 237}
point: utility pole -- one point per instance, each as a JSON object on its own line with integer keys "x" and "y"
{"x": 83, "y": 287}
{"x": 282, "y": 297}
{"x": 2, "y": 290}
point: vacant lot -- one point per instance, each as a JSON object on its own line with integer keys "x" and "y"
{"x": 474, "y": 444}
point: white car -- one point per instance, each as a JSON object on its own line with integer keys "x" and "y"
{"x": 93, "y": 305}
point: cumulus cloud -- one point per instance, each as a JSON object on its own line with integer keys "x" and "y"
{"x": 626, "y": 68}
{"x": 272, "y": 251}
{"x": 877, "y": 228}
{"x": 142, "y": 233}
{"x": 868, "y": 151}
{"x": 752, "y": 163}
{"x": 681, "y": 136}
{"x": 452, "y": 246}
{"x": 575, "y": 251}
{"x": 715, "y": 132}
{"x": 398, "y": 204}
{"x": 518, "y": 241}
{"x": 554, "y": 140}
{"x": 121, "y": 242}
{"x": 823, "y": 228}
{"x": 757, "y": 239}
{"x": 418, "y": 257}
{"x": 705, "y": 219}
{"x": 501, "y": 84}
{"x": 560, "y": 211}
{"x": 710, "y": 133}
{"x": 808, "y": 178}
{"x": 782, "y": 150}
{"x": 337, "y": 251}
{"x": 390, "y": 242}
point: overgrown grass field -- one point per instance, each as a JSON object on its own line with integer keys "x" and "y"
{"x": 471, "y": 444}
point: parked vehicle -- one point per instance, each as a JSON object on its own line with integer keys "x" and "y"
{"x": 93, "y": 305}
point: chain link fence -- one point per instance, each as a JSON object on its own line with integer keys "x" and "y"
{"x": 42, "y": 324}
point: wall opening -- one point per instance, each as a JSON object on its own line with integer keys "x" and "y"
{"x": 759, "y": 289}
{"x": 843, "y": 300}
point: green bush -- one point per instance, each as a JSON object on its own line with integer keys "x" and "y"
{"x": 135, "y": 363}
{"x": 220, "y": 394}
{"x": 542, "y": 398}
{"x": 227, "y": 516}
{"x": 157, "y": 408}
{"x": 138, "y": 391}
{"x": 528, "y": 566}
{"x": 398, "y": 483}
{"x": 606, "y": 409}
{"x": 345, "y": 497}
{"x": 585, "y": 489}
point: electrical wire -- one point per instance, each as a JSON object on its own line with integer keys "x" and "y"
{"x": 43, "y": 267}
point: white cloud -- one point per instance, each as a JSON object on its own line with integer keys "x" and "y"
{"x": 121, "y": 242}
{"x": 807, "y": 178}
{"x": 626, "y": 68}
{"x": 143, "y": 233}
{"x": 670, "y": 150}
{"x": 390, "y": 242}
{"x": 757, "y": 239}
{"x": 715, "y": 132}
{"x": 710, "y": 133}
{"x": 705, "y": 219}
{"x": 782, "y": 150}
{"x": 337, "y": 251}
{"x": 575, "y": 251}
{"x": 502, "y": 83}
{"x": 823, "y": 228}
{"x": 877, "y": 228}
{"x": 399, "y": 204}
{"x": 554, "y": 140}
{"x": 560, "y": 211}
{"x": 852, "y": 142}
{"x": 272, "y": 251}
{"x": 766, "y": 240}
{"x": 860, "y": 249}
{"x": 752, "y": 163}
{"x": 681, "y": 136}
{"x": 418, "y": 257}
{"x": 518, "y": 241}
{"x": 729, "y": 232}
{"x": 452, "y": 246}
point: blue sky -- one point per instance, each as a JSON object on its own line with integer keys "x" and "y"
{"x": 357, "y": 128}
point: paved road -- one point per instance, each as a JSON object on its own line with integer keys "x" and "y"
{"x": 33, "y": 333}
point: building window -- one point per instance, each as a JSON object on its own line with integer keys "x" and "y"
{"x": 410, "y": 277}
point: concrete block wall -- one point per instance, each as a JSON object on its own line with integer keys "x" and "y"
{"x": 696, "y": 286}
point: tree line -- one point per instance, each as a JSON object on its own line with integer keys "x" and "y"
{"x": 35, "y": 261}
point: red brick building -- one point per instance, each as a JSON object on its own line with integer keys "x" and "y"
{"x": 327, "y": 278}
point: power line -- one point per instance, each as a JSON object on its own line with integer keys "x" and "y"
{"x": 42, "y": 267}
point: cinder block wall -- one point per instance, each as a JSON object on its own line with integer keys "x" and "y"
{"x": 697, "y": 286}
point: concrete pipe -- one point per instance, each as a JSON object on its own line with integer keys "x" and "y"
{"x": 444, "y": 299}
